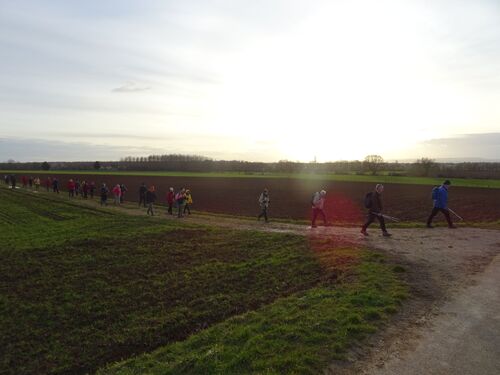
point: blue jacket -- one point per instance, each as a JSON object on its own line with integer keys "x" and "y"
{"x": 442, "y": 198}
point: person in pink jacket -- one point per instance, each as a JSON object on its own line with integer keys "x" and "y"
{"x": 117, "y": 192}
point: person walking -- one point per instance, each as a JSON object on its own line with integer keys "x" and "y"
{"x": 36, "y": 182}
{"x": 104, "y": 195}
{"x": 188, "y": 202}
{"x": 6, "y": 178}
{"x": 48, "y": 184}
{"x": 92, "y": 189}
{"x": 117, "y": 192}
{"x": 170, "y": 200}
{"x": 318, "y": 207}
{"x": 374, "y": 205}
{"x": 30, "y": 182}
{"x": 77, "y": 187}
{"x": 55, "y": 185}
{"x": 13, "y": 181}
{"x": 150, "y": 200}
{"x": 142, "y": 194}
{"x": 71, "y": 188}
{"x": 180, "y": 199}
{"x": 123, "y": 189}
{"x": 24, "y": 181}
{"x": 85, "y": 189}
{"x": 264, "y": 202}
{"x": 440, "y": 198}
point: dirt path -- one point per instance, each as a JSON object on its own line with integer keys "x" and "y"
{"x": 451, "y": 325}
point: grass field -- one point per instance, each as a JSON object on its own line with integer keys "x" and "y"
{"x": 385, "y": 179}
{"x": 83, "y": 288}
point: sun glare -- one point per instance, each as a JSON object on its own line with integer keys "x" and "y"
{"x": 343, "y": 84}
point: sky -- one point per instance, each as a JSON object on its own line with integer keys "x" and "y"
{"x": 250, "y": 80}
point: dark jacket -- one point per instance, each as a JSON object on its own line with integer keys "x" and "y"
{"x": 150, "y": 196}
{"x": 376, "y": 202}
{"x": 142, "y": 191}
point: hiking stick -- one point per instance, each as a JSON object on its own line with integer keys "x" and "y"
{"x": 457, "y": 215}
{"x": 395, "y": 219}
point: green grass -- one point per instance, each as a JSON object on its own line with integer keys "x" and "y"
{"x": 82, "y": 287}
{"x": 477, "y": 183}
{"x": 300, "y": 334}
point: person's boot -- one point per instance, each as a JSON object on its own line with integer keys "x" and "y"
{"x": 364, "y": 232}
{"x": 386, "y": 234}
{"x": 429, "y": 225}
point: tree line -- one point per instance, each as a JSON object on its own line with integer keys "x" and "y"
{"x": 372, "y": 164}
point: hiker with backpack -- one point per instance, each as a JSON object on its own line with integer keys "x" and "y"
{"x": 92, "y": 189}
{"x": 85, "y": 189}
{"x": 318, "y": 207}
{"x": 440, "y": 199}
{"x": 180, "y": 199}
{"x": 150, "y": 200}
{"x": 104, "y": 195}
{"x": 117, "y": 192}
{"x": 373, "y": 202}
{"x": 77, "y": 187}
{"x": 55, "y": 185}
{"x": 264, "y": 202}
{"x": 36, "y": 182}
{"x": 123, "y": 189}
{"x": 170, "y": 200}
{"x": 142, "y": 194}
{"x": 188, "y": 202}
{"x": 48, "y": 184}
{"x": 71, "y": 188}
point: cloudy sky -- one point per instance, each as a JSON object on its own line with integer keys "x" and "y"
{"x": 254, "y": 80}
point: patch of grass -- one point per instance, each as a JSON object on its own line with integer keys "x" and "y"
{"x": 299, "y": 334}
{"x": 30, "y": 220}
{"x": 82, "y": 287}
{"x": 383, "y": 178}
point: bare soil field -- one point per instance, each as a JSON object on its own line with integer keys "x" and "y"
{"x": 290, "y": 198}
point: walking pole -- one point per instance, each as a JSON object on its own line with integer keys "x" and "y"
{"x": 457, "y": 215}
{"x": 395, "y": 219}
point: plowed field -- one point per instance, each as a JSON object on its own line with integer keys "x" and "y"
{"x": 290, "y": 198}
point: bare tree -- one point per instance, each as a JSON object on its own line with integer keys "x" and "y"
{"x": 425, "y": 165}
{"x": 373, "y": 163}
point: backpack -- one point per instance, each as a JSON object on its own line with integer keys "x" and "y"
{"x": 435, "y": 193}
{"x": 369, "y": 200}
{"x": 312, "y": 198}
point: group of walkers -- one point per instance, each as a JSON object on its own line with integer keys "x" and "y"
{"x": 182, "y": 200}
{"x": 33, "y": 183}
{"x": 83, "y": 189}
{"x": 374, "y": 206}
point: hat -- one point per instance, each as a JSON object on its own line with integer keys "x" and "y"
{"x": 447, "y": 182}
{"x": 322, "y": 192}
